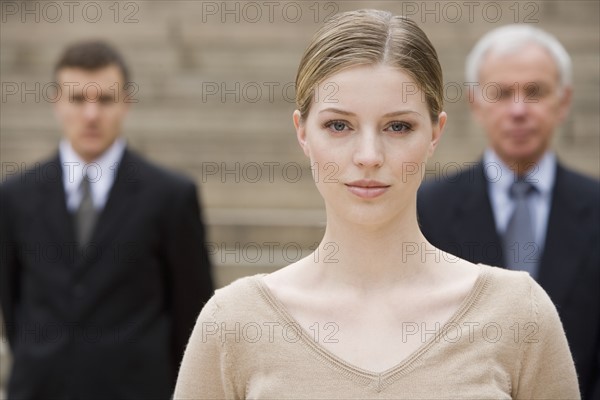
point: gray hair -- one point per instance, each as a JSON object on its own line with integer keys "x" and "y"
{"x": 510, "y": 38}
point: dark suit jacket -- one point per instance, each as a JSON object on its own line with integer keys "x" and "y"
{"x": 110, "y": 322}
{"x": 456, "y": 216}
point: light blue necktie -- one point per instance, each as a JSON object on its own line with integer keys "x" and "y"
{"x": 520, "y": 249}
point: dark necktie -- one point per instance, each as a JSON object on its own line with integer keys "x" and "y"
{"x": 520, "y": 250}
{"x": 85, "y": 217}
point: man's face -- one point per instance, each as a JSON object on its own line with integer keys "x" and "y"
{"x": 519, "y": 103}
{"x": 91, "y": 108}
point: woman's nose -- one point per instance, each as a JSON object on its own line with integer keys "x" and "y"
{"x": 369, "y": 149}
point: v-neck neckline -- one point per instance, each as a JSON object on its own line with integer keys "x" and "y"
{"x": 379, "y": 380}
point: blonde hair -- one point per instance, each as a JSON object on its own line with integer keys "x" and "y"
{"x": 370, "y": 37}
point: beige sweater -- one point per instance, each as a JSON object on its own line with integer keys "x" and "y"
{"x": 505, "y": 341}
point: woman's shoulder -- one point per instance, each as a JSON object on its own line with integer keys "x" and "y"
{"x": 236, "y": 300}
{"x": 519, "y": 280}
{"x": 240, "y": 287}
{"x": 516, "y": 292}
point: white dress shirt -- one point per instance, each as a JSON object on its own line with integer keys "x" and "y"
{"x": 101, "y": 173}
{"x": 500, "y": 177}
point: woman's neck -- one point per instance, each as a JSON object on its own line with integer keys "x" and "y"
{"x": 372, "y": 257}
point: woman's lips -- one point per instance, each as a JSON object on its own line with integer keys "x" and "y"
{"x": 367, "y": 189}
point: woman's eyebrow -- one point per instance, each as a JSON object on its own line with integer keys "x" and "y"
{"x": 401, "y": 112}
{"x": 390, "y": 114}
{"x": 336, "y": 110}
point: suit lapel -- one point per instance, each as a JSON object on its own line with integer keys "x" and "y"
{"x": 52, "y": 200}
{"x": 122, "y": 197}
{"x": 563, "y": 248}
{"x": 475, "y": 225}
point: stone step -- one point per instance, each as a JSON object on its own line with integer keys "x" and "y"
{"x": 301, "y": 226}
{"x": 225, "y": 274}
{"x": 248, "y": 241}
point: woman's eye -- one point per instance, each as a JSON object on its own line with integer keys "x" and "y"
{"x": 336, "y": 126}
{"x": 399, "y": 127}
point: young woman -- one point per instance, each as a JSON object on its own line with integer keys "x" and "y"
{"x": 376, "y": 311}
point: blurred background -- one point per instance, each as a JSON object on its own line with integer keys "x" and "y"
{"x": 214, "y": 95}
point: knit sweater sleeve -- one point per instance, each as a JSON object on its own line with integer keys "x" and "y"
{"x": 206, "y": 371}
{"x": 545, "y": 368}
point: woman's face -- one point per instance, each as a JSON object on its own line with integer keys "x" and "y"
{"x": 368, "y": 135}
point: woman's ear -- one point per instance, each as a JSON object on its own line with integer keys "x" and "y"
{"x": 437, "y": 131}
{"x": 299, "y": 124}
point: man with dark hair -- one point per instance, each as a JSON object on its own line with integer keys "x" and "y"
{"x": 520, "y": 207}
{"x": 90, "y": 56}
{"x": 103, "y": 266}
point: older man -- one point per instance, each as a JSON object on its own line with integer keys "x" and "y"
{"x": 103, "y": 269}
{"x": 519, "y": 207}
